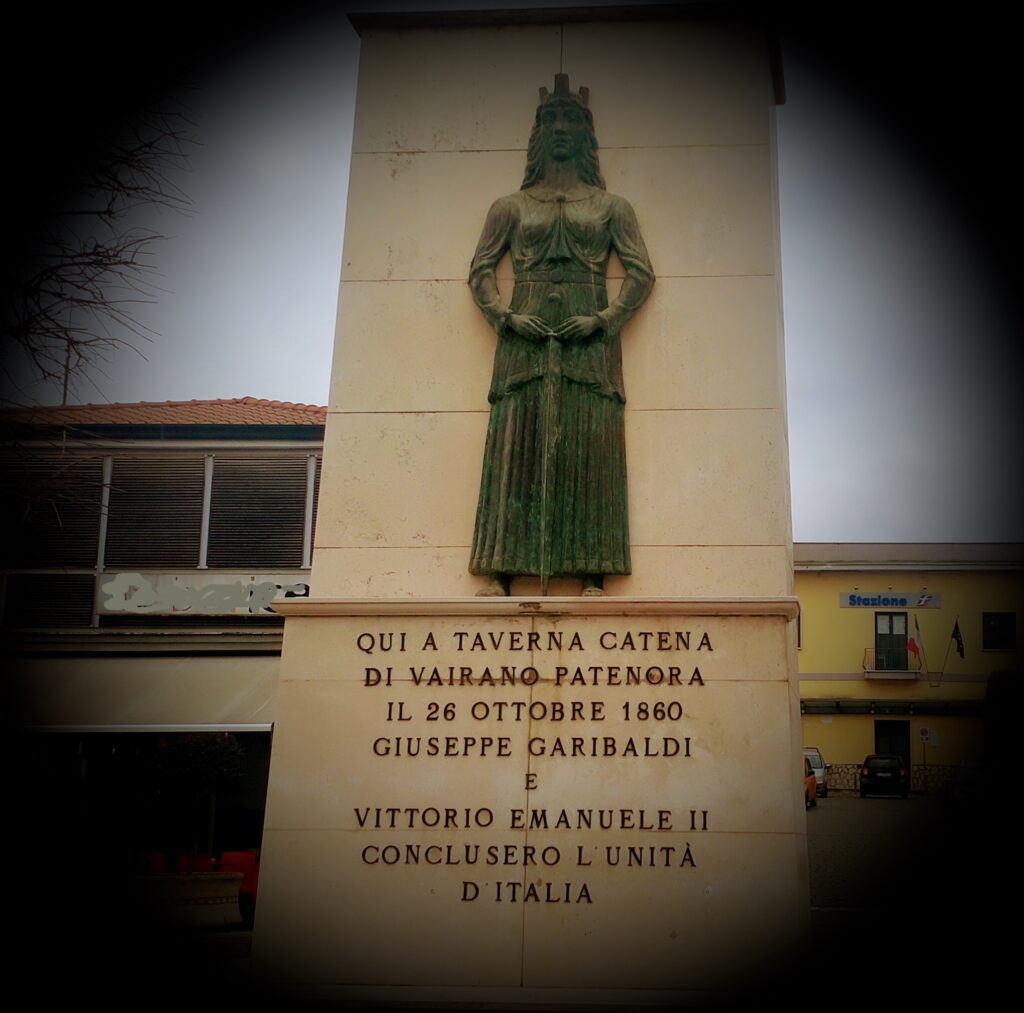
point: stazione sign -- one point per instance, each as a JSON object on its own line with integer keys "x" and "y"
{"x": 889, "y": 599}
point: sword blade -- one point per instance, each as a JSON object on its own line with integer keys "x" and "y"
{"x": 549, "y": 427}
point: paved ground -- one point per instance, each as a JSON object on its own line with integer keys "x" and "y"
{"x": 910, "y": 897}
{"x": 914, "y": 906}
{"x": 864, "y": 852}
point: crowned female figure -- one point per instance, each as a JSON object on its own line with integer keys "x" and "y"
{"x": 553, "y": 489}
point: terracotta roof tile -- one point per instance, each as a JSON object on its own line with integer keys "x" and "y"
{"x": 239, "y": 411}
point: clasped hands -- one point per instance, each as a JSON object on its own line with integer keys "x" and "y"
{"x": 536, "y": 329}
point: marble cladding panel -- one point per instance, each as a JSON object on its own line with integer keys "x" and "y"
{"x": 329, "y": 916}
{"x": 703, "y": 343}
{"x": 469, "y": 89}
{"x": 394, "y": 572}
{"x": 418, "y": 216}
{"x": 364, "y": 762}
{"x": 424, "y": 346}
{"x": 695, "y": 478}
{"x": 710, "y": 755}
{"x": 702, "y": 571}
{"x": 411, "y": 346}
{"x": 672, "y": 83}
{"x": 707, "y": 477}
{"x": 702, "y": 211}
{"x": 668, "y": 924}
{"x": 476, "y": 88}
{"x": 706, "y": 571}
{"x": 402, "y": 479}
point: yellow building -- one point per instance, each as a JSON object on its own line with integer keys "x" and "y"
{"x": 900, "y": 645}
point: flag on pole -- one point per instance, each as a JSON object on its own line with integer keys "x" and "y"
{"x": 958, "y": 637}
{"x": 914, "y": 644}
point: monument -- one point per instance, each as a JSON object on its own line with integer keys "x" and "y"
{"x": 581, "y": 786}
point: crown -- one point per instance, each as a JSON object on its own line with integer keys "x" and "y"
{"x": 562, "y": 92}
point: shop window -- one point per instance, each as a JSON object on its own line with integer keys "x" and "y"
{"x": 999, "y": 631}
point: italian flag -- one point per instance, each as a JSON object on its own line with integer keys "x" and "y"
{"x": 914, "y": 644}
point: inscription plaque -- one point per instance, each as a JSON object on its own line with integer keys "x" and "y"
{"x": 534, "y": 801}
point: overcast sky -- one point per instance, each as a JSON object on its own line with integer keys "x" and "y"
{"x": 901, "y": 359}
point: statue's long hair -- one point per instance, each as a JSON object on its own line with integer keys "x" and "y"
{"x": 587, "y": 166}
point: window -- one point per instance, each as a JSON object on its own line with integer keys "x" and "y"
{"x": 71, "y": 520}
{"x": 51, "y": 510}
{"x": 257, "y": 511}
{"x": 891, "y": 641}
{"x": 998, "y": 631}
{"x": 163, "y": 510}
{"x": 156, "y": 511}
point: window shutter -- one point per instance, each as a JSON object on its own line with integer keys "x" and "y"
{"x": 257, "y": 512}
{"x": 156, "y": 511}
{"x": 316, "y": 497}
{"x": 51, "y": 513}
{"x": 48, "y": 600}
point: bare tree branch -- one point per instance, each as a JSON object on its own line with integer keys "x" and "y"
{"x": 76, "y": 300}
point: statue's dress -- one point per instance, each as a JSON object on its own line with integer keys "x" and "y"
{"x": 555, "y": 443}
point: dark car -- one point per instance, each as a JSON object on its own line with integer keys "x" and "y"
{"x": 884, "y": 774}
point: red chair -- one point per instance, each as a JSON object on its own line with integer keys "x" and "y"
{"x": 156, "y": 862}
{"x": 245, "y": 863}
{"x": 186, "y": 862}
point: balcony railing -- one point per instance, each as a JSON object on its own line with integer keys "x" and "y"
{"x": 892, "y": 663}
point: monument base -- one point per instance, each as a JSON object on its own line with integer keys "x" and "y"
{"x": 571, "y": 799}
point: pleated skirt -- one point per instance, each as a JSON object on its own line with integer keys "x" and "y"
{"x": 585, "y": 511}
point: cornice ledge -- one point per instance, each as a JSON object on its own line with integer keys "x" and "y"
{"x": 786, "y": 606}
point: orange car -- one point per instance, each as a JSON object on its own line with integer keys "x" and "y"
{"x": 810, "y": 786}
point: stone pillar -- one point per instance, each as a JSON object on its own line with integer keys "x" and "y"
{"x": 545, "y": 799}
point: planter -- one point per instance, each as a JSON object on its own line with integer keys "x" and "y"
{"x": 190, "y": 899}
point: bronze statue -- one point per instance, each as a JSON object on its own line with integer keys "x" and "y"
{"x": 553, "y": 490}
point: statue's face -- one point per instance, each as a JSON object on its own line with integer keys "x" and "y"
{"x": 565, "y": 129}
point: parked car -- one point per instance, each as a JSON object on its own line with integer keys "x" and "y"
{"x": 884, "y": 774}
{"x": 820, "y": 768}
{"x": 810, "y": 786}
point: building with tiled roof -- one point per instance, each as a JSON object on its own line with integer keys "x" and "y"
{"x": 144, "y": 546}
{"x": 239, "y": 411}
{"x": 176, "y": 491}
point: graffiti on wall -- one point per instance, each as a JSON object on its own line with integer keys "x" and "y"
{"x": 168, "y": 594}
